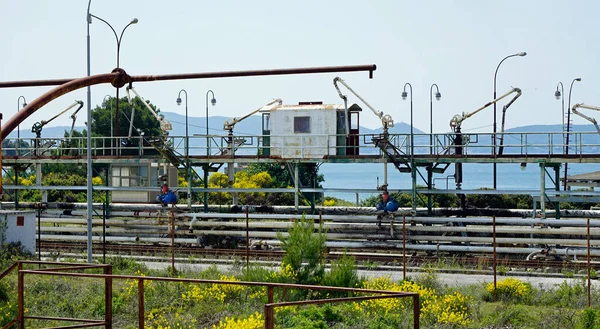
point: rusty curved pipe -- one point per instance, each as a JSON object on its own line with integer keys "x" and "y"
{"x": 117, "y": 78}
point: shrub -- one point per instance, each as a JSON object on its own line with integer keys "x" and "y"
{"x": 510, "y": 289}
{"x": 304, "y": 251}
{"x": 343, "y": 272}
{"x": 589, "y": 318}
{"x": 125, "y": 265}
{"x": 255, "y": 321}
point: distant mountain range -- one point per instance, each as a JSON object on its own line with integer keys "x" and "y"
{"x": 252, "y": 126}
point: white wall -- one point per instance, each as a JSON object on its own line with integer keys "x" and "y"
{"x": 25, "y": 234}
{"x": 319, "y": 142}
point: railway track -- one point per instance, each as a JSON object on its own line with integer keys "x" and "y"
{"x": 529, "y": 244}
{"x": 471, "y": 263}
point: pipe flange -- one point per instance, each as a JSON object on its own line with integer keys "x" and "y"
{"x": 121, "y": 79}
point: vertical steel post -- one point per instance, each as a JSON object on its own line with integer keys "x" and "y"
{"x": 108, "y": 297}
{"x": 247, "y": 241}
{"x": 89, "y": 143}
{"x": 296, "y": 187}
{"x": 403, "y": 247}
{"x": 39, "y": 220}
{"x": 269, "y": 316}
{"x": 141, "y": 303}
{"x": 269, "y": 321}
{"x": 21, "y": 297}
{"x": 542, "y": 190}
{"x": 270, "y": 294}
{"x": 494, "y": 247}
{"x": 416, "y": 311}
{"x": 589, "y": 267}
{"x": 172, "y": 239}
{"x": 557, "y": 188}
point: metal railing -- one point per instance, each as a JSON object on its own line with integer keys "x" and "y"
{"x": 311, "y": 144}
{"x": 108, "y": 278}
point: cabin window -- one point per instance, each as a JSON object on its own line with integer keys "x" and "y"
{"x": 128, "y": 176}
{"x": 301, "y": 124}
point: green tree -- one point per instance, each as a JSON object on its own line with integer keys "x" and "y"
{"x": 304, "y": 251}
{"x": 103, "y": 118}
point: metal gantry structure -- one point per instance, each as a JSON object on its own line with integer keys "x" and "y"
{"x": 423, "y": 155}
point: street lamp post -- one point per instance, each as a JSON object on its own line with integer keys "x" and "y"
{"x": 89, "y": 143}
{"x": 494, "y": 134}
{"x": 89, "y": 123}
{"x": 558, "y": 94}
{"x": 187, "y": 147}
{"x": 413, "y": 172}
{"x": 213, "y": 101}
{"x": 438, "y": 96}
{"x": 118, "y": 39}
{"x": 568, "y": 130}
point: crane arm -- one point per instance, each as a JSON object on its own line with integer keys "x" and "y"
{"x": 74, "y": 118}
{"x": 229, "y": 125}
{"x": 589, "y": 107}
{"x": 458, "y": 119}
{"x": 386, "y": 119}
{"x": 165, "y": 125}
{"x": 38, "y": 126}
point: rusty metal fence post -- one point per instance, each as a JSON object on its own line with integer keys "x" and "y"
{"x": 21, "y": 297}
{"x": 108, "y": 298}
{"x": 141, "y": 303}
{"x": 589, "y": 266}
{"x": 494, "y": 247}
{"x": 269, "y": 317}
{"x": 269, "y": 314}
{"x": 416, "y": 311}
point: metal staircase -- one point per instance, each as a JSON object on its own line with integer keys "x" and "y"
{"x": 397, "y": 157}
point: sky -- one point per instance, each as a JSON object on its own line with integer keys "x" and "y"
{"x": 455, "y": 44}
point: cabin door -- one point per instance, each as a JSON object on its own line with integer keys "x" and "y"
{"x": 352, "y": 142}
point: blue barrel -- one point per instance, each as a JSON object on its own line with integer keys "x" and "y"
{"x": 392, "y": 205}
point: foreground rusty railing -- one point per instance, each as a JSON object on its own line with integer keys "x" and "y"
{"x": 20, "y": 319}
{"x": 108, "y": 277}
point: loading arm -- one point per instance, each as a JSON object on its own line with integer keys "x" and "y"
{"x": 165, "y": 125}
{"x": 504, "y": 108}
{"x": 386, "y": 119}
{"x": 38, "y": 126}
{"x": 458, "y": 119}
{"x": 229, "y": 125}
{"x": 589, "y": 107}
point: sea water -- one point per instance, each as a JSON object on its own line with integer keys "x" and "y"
{"x": 475, "y": 176}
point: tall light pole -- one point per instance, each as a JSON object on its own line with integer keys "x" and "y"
{"x": 118, "y": 39}
{"x": 88, "y": 19}
{"x": 89, "y": 123}
{"x": 413, "y": 172}
{"x": 558, "y": 94}
{"x": 187, "y": 148}
{"x": 568, "y": 129}
{"x": 213, "y": 101}
{"x": 494, "y": 134}
{"x": 438, "y": 96}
